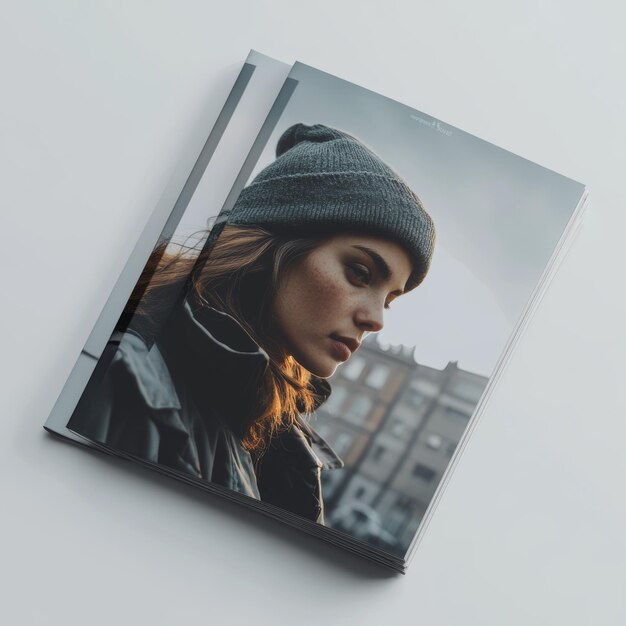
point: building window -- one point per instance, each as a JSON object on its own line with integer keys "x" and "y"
{"x": 413, "y": 398}
{"x": 457, "y": 415}
{"x": 358, "y": 409}
{"x": 398, "y": 428}
{"x": 342, "y": 443}
{"x": 335, "y": 400}
{"x": 434, "y": 442}
{"x": 425, "y": 473}
{"x": 378, "y": 375}
{"x": 467, "y": 389}
{"x": 353, "y": 367}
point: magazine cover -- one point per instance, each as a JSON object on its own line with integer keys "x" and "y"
{"x": 319, "y": 345}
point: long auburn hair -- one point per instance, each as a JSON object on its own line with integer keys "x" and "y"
{"x": 240, "y": 275}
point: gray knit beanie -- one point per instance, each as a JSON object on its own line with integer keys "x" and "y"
{"x": 325, "y": 181}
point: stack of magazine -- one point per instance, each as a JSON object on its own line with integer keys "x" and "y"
{"x": 315, "y": 326}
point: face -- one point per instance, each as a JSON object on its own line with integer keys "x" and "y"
{"x": 330, "y": 298}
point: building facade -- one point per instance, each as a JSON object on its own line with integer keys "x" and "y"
{"x": 396, "y": 424}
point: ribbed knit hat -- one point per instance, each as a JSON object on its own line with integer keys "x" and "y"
{"x": 325, "y": 181}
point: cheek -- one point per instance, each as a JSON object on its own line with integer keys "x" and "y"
{"x": 312, "y": 300}
{"x": 326, "y": 291}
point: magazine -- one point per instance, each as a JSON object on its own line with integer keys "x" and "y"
{"x": 315, "y": 326}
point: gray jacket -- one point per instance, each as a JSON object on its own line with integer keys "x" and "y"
{"x": 176, "y": 398}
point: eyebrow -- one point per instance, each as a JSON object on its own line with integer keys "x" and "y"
{"x": 381, "y": 264}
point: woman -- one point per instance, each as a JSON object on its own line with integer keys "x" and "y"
{"x": 226, "y": 351}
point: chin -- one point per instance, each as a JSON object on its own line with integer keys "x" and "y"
{"x": 321, "y": 369}
{"x": 326, "y": 372}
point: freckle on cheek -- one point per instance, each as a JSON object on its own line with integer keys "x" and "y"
{"x": 322, "y": 285}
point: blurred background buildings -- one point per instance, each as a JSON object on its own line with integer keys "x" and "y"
{"x": 395, "y": 423}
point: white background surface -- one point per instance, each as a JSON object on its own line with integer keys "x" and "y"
{"x": 103, "y": 103}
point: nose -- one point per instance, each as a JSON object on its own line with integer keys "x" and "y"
{"x": 370, "y": 319}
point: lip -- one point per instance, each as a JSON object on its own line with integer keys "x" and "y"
{"x": 344, "y": 346}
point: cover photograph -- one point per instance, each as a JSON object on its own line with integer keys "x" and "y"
{"x": 318, "y": 346}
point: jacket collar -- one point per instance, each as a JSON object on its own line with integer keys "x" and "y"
{"x": 222, "y": 364}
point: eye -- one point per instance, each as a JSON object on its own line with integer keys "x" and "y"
{"x": 359, "y": 274}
